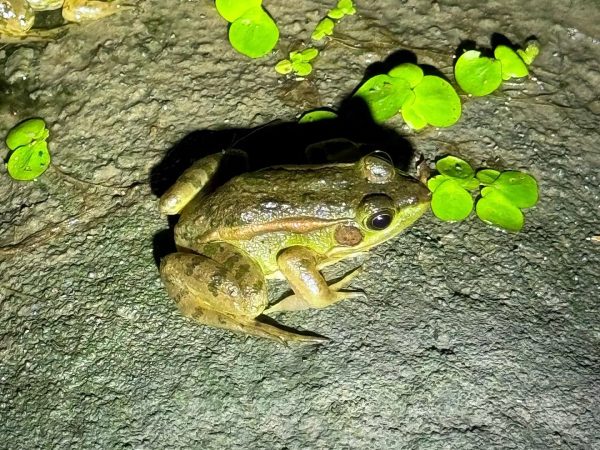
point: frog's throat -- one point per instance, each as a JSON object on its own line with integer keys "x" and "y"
{"x": 291, "y": 225}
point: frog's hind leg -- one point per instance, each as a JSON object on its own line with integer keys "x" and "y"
{"x": 223, "y": 289}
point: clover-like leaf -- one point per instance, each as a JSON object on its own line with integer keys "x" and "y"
{"x": 454, "y": 167}
{"x": 412, "y": 73}
{"x": 451, "y": 202}
{"x": 512, "y": 65}
{"x": 530, "y": 53}
{"x": 436, "y": 102}
{"x": 323, "y": 28}
{"x": 495, "y": 209}
{"x": 302, "y": 68}
{"x": 254, "y": 33}
{"x": 26, "y": 132}
{"x": 434, "y": 182}
{"x": 487, "y": 176}
{"x": 309, "y": 54}
{"x": 478, "y": 75}
{"x": 29, "y": 161}
{"x": 316, "y": 115}
{"x": 384, "y": 95}
{"x": 519, "y": 188}
{"x": 283, "y": 67}
{"x": 343, "y": 8}
{"x": 231, "y": 10}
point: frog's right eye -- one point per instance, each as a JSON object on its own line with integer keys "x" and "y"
{"x": 377, "y": 212}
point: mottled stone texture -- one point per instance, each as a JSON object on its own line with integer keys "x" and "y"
{"x": 470, "y": 338}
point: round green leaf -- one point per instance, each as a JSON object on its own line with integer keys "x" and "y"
{"x": 412, "y": 73}
{"x": 512, "y": 65}
{"x": 454, "y": 167}
{"x": 451, "y": 202}
{"x": 335, "y": 13}
{"x": 254, "y": 33}
{"x": 487, "y": 176}
{"x": 384, "y": 95}
{"x": 319, "y": 114}
{"x": 411, "y": 116}
{"x": 323, "y": 28}
{"x": 231, "y": 10}
{"x": 518, "y": 187}
{"x": 29, "y": 161}
{"x": 477, "y": 75}
{"x": 530, "y": 52}
{"x": 26, "y": 132}
{"x": 302, "y": 68}
{"x": 309, "y": 54}
{"x": 283, "y": 67}
{"x": 436, "y": 101}
{"x": 495, "y": 209}
{"x": 434, "y": 182}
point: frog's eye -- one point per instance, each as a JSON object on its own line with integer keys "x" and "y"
{"x": 380, "y": 220}
{"x": 378, "y": 167}
{"x": 376, "y": 211}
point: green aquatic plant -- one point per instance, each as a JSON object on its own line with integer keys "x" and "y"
{"x": 29, "y": 156}
{"x": 481, "y": 75}
{"x": 421, "y": 99}
{"x": 503, "y": 194}
{"x": 324, "y": 28}
{"x": 252, "y": 31}
{"x": 316, "y": 115}
{"x": 343, "y": 8}
{"x": 298, "y": 62}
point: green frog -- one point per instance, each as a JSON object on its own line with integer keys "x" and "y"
{"x": 280, "y": 222}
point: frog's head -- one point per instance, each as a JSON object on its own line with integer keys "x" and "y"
{"x": 390, "y": 203}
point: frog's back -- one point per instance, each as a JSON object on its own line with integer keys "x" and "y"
{"x": 270, "y": 196}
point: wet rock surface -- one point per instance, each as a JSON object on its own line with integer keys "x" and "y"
{"x": 469, "y": 338}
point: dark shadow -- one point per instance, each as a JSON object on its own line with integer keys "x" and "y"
{"x": 383, "y": 67}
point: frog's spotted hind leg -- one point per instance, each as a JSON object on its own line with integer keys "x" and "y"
{"x": 300, "y": 267}
{"x": 223, "y": 289}
{"x": 189, "y": 184}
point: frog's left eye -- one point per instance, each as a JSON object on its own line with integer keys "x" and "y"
{"x": 380, "y": 220}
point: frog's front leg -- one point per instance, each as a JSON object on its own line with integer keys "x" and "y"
{"x": 299, "y": 265}
{"x": 224, "y": 289}
{"x": 84, "y": 10}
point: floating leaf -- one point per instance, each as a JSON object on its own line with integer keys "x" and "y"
{"x": 454, "y": 167}
{"x": 319, "y": 114}
{"x": 302, "y": 68}
{"x": 435, "y": 182}
{"x": 343, "y": 8}
{"x": 412, "y": 117}
{"x": 309, "y": 54}
{"x": 487, "y": 176}
{"x": 518, "y": 187}
{"x": 283, "y": 67}
{"x": 530, "y": 52}
{"x": 384, "y": 95}
{"x": 495, "y": 209}
{"x": 436, "y": 102}
{"x": 254, "y": 33}
{"x": 412, "y": 73}
{"x": 231, "y": 10}
{"x": 323, "y": 28}
{"x": 477, "y": 75}
{"x": 512, "y": 65}
{"x": 29, "y": 161}
{"x": 451, "y": 202}
{"x": 26, "y": 132}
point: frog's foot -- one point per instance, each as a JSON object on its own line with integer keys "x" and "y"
{"x": 84, "y": 10}
{"x": 224, "y": 289}
{"x": 299, "y": 265}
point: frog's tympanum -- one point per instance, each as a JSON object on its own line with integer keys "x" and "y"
{"x": 280, "y": 222}
{"x": 17, "y": 16}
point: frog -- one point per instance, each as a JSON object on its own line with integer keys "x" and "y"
{"x": 17, "y": 16}
{"x": 281, "y": 222}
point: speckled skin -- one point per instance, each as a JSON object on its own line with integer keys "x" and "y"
{"x": 285, "y": 221}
